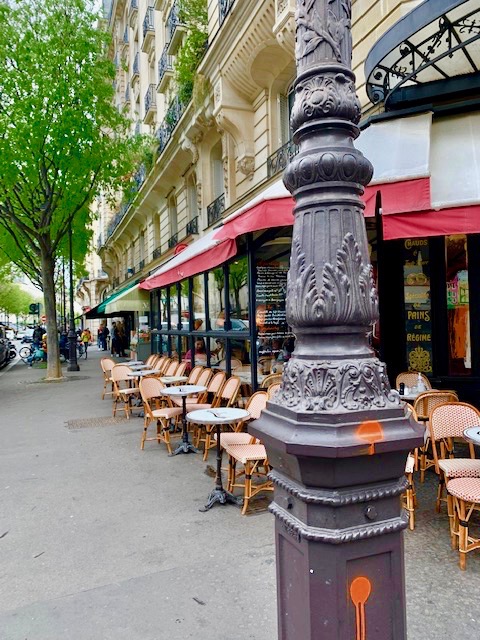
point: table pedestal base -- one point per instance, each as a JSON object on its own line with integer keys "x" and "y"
{"x": 184, "y": 447}
{"x": 222, "y": 497}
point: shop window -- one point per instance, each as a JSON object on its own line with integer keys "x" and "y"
{"x": 198, "y": 296}
{"x": 216, "y": 299}
{"x": 174, "y": 310}
{"x": 238, "y": 280}
{"x": 418, "y": 305}
{"x": 458, "y": 306}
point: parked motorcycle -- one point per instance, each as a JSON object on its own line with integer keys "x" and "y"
{"x": 12, "y": 350}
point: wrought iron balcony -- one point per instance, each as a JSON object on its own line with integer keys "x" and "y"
{"x": 279, "y": 160}
{"x": 115, "y": 61}
{"x": 175, "y": 28}
{"x": 138, "y": 128}
{"x": 215, "y": 209}
{"x": 115, "y": 282}
{"x": 126, "y": 36}
{"x": 173, "y": 241}
{"x": 129, "y": 272}
{"x": 127, "y": 95}
{"x": 150, "y": 103}
{"x": 165, "y": 68}
{"x": 133, "y": 12}
{"x": 156, "y": 253}
{"x": 224, "y": 7}
{"x": 172, "y": 117}
{"x": 99, "y": 242}
{"x": 192, "y": 226}
{"x": 149, "y": 21}
{"x": 141, "y": 264}
{"x": 136, "y": 67}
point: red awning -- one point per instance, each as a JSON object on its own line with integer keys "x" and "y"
{"x": 432, "y": 223}
{"x": 264, "y": 215}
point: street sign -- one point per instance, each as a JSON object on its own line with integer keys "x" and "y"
{"x": 43, "y": 318}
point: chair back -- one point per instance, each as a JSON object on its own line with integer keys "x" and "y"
{"x": 229, "y": 392}
{"x": 151, "y": 359}
{"x": 119, "y": 374}
{"x": 181, "y": 368}
{"x": 235, "y": 364}
{"x": 107, "y": 365}
{"x": 272, "y": 390}
{"x": 256, "y": 404}
{"x": 171, "y": 368}
{"x": 165, "y": 364}
{"x": 150, "y": 388}
{"x": 217, "y": 382}
{"x": 428, "y": 400}
{"x": 194, "y": 375}
{"x": 450, "y": 420}
{"x": 160, "y": 362}
{"x": 204, "y": 378}
{"x": 410, "y": 378}
{"x": 273, "y": 378}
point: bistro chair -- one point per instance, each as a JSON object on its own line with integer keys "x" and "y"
{"x": 194, "y": 375}
{"x": 465, "y": 494}
{"x": 409, "y": 497}
{"x": 122, "y": 392}
{"x": 253, "y": 457}
{"x": 164, "y": 366}
{"x": 151, "y": 389}
{"x": 423, "y": 406}
{"x": 255, "y": 405}
{"x": 151, "y": 360}
{"x": 226, "y": 398}
{"x": 107, "y": 365}
{"x": 214, "y": 388}
{"x": 272, "y": 390}
{"x": 449, "y": 421}
{"x": 171, "y": 368}
{"x": 161, "y": 362}
{"x": 272, "y": 378}
{"x": 410, "y": 379}
{"x": 180, "y": 370}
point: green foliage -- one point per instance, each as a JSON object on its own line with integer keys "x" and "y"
{"x": 13, "y": 299}
{"x": 193, "y": 14}
{"x": 62, "y": 139}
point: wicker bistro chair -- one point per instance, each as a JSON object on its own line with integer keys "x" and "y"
{"x": 194, "y": 374}
{"x": 122, "y": 392}
{"x": 423, "y": 406}
{"x": 255, "y": 405}
{"x": 409, "y": 378}
{"x": 449, "y": 421}
{"x": 163, "y": 366}
{"x": 171, "y": 368}
{"x": 107, "y": 365}
{"x": 180, "y": 370}
{"x": 152, "y": 360}
{"x": 272, "y": 378}
{"x": 253, "y": 457}
{"x": 151, "y": 389}
{"x": 214, "y": 384}
{"x": 465, "y": 494}
{"x": 409, "y": 497}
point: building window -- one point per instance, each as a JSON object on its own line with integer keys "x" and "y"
{"x": 172, "y": 215}
{"x": 218, "y": 186}
{"x": 192, "y": 197}
{"x": 458, "y": 305}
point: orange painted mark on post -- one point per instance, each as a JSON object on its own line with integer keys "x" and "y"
{"x": 360, "y": 590}
{"x": 370, "y": 431}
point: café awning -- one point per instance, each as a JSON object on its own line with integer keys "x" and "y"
{"x": 126, "y": 300}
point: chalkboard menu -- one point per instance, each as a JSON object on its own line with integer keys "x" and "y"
{"x": 271, "y": 317}
{"x": 418, "y": 307}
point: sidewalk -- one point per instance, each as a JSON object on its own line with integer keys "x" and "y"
{"x": 100, "y": 541}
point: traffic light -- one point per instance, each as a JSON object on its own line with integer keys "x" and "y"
{"x": 34, "y": 308}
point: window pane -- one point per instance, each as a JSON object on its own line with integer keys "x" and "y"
{"x": 198, "y": 292}
{"x": 418, "y": 306}
{"x": 185, "y": 310}
{"x": 173, "y": 308}
{"x": 458, "y": 308}
{"x": 216, "y": 297}
{"x": 238, "y": 281}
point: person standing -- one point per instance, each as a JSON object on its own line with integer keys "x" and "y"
{"x": 105, "y": 335}
{"x": 86, "y": 338}
{"x": 99, "y": 336}
{"x": 115, "y": 349}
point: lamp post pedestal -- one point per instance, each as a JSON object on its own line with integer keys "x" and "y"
{"x": 336, "y": 435}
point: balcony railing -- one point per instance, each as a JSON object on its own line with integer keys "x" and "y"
{"x": 173, "y": 241}
{"x": 127, "y": 95}
{"x": 115, "y": 282}
{"x": 149, "y": 21}
{"x": 125, "y": 36}
{"x": 141, "y": 264}
{"x": 279, "y": 160}
{"x": 215, "y": 209}
{"x": 172, "y": 117}
{"x": 165, "y": 65}
{"x": 173, "y": 22}
{"x": 138, "y": 128}
{"x": 129, "y": 272}
{"x": 224, "y": 7}
{"x": 136, "y": 66}
{"x": 138, "y": 179}
{"x": 156, "y": 253}
{"x": 99, "y": 242}
{"x": 150, "y": 99}
{"x": 133, "y": 11}
{"x": 192, "y": 226}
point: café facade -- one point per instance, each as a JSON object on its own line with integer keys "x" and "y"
{"x": 224, "y": 294}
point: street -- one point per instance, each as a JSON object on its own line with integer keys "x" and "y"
{"x": 99, "y": 540}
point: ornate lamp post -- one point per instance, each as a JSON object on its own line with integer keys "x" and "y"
{"x": 72, "y": 336}
{"x": 336, "y": 435}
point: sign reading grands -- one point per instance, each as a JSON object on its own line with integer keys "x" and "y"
{"x": 418, "y": 309}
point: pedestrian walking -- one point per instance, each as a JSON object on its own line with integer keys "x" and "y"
{"x": 105, "y": 338}
{"x": 86, "y": 338}
{"x": 115, "y": 340}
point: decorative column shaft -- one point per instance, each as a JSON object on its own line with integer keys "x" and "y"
{"x": 337, "y": 436}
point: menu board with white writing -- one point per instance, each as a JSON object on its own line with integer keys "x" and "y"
{"x": 271, "y": 317}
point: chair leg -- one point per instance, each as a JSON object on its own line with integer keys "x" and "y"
{"x": 441, "y": 487}
{"x": 144, "y": 436}
{"x": 248, "y": 487}
{"x": 462, "y": 533}
{"x": 410, "y": 502}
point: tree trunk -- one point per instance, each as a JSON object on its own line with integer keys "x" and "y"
{"x": 236, "y": 293}
{"x": 54, "y": 370}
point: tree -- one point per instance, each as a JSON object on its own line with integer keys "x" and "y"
{"x": 238, "y": 277}
{"x": 61, "y": 137}
{"x": 13, "y": 299}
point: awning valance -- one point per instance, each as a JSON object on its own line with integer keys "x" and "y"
{"x": 106, "y": 307}
{"x": 132, "y": 299}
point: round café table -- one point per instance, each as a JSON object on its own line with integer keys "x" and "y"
{"x": 182, "y": 392}
{"x": 472, "y": 434}
{"x": 173, "y": 379}
{"x": 218, "y": 417}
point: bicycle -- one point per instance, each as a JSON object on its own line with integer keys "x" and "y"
{"x": 26, "y": 352}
